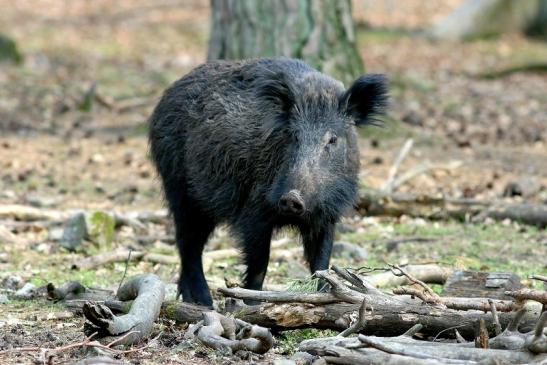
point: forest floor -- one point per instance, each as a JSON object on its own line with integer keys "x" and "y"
{"x": 60, "y": 151}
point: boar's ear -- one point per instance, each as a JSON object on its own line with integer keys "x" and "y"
{"x": 275, "y": 89}
{"x": 366, "y": 99}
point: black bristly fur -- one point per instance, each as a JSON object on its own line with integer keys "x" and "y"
{"x": 276, "y": 89}
{"x": 366, "y": 99}
{"x": 231, "y": 138}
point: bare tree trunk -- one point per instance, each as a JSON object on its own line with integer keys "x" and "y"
{"x": 538, "y": 27}
{"x": 320, "y": 32}
{"x": 480, "y": 18}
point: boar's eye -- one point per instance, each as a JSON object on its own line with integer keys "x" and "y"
{"x": 333, "y": 140}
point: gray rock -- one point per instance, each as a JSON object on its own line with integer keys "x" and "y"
{"x": 4, "y": 299}
{"x": 74, "y": 232}
{"x": 349, "y": 250}
{"x": 525, "y": 186}
{"x": 303, "y": 358}
{"x": 28, "y": 291}
{"x": 284, "y": 362}
{"x": 55, "y": 234}
{"x": 297, "y": 270}
{"x": 42, "y": 201}
{"x": 12, "y": 282}
{"x": 100, "y": 228}
{"x": 344, "y": 228}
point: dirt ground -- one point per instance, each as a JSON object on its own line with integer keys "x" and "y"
{"x": 59, "y": 152}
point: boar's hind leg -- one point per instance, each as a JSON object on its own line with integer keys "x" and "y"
{"x": 317, "y": 249}
{"x": 192, "y": 231}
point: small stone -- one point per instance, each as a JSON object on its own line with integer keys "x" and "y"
{"x": 296, "y": 270}
{"x": 100, "y": 228}
{"x": 344, "y": 228}
{"x": 524, "y": 186}
{"x": 4, "y": 299}
{"x": 74, "y": 232}
{"x": 12, "y": 282}
{"x": 28, "y": 291}
{"x": 97, "y": 158}
{"x": 44, "y": 247}
{"x": 377, "y": 160}
{"x": 284, "y": 362}
{"x": 413, "y": 119}
{"x": 42, "y": 201}
{"x": 349, "y": 250}
{"x": 303, "y": 358}
{"x": 55, "y": 234}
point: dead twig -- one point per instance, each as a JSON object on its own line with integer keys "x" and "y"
{"x": 481, "y": 338}
{"x": 539, "y": 277}
{"x": 422, "y": 169}
{"x": 399, "y": 271}
{"x": 119, "y": 255}
{"x": 417, "y": 293}
{"x": 87, "y": 342}
{"x": 528, "y": 294}
{"x": 125, "y": 269}
{"x": 278, "y": 297}
{"x": 388, "y": 186}
{"x": 495, "y": 318}
{"x": 359, "y": 324}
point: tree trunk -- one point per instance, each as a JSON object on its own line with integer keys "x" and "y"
{"x": 483, "y": 18}
{"x": 318, "y": 32}
{"x": 538, "y": 27}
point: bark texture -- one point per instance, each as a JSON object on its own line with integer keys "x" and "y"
{"x": 320, "y": 32}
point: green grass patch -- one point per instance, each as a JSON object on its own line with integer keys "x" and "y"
{"x": 288, "y": 341}
{"x": 366, "y": 35}
{"x": 481, "y": 247}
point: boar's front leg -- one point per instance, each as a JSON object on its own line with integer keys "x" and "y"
{"x": 318, "y": 248}
{"x": 192, "y": 232}
{"x": 256, "y": 239}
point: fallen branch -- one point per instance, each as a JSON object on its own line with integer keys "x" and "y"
{"x": 434, "y": 274}
{"x": 392, "y": 314}
{"x": 509, "y": 347}
{"x": 28, "y": 213}
{"x": 119, "y": 255}
{"x": 221, "y": 332}
{"x": 372, "y": 202}
{"x": 529, "y": 294}
{"x": 539, "y": 277}
{"x": 147, "y": 292}
{"x": 528, "y": 68}
{"x": 70, "y": 290}
{"x": 388, "y": 186}
{"x": 422, "y": 169}
{"x": 86, "y": 343}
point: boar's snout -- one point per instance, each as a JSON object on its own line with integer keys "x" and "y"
{"x": 291, "y": 203}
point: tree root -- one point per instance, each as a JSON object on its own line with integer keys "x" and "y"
{"x": 224, "y": 333}
{"x": 147, "y": 292}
